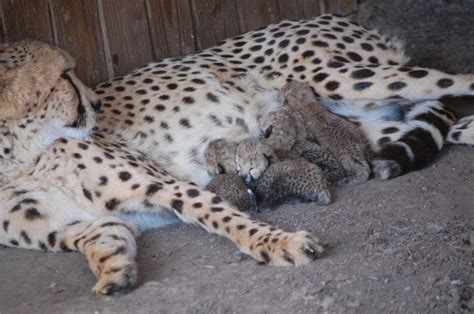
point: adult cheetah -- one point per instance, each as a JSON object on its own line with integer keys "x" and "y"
{"x": 65, "y": 189}
{"x": 171, "y": 110}
{"x": 62, "y": 191}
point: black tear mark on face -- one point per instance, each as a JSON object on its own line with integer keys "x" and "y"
{"x": 269, "y": 158}
{"x": 220, "y": 169}
{"x": 81, "y": 110}
{"x": 268, "y": 131}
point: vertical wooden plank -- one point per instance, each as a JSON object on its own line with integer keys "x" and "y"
{"x": 257, "y": 13}
{"x": 298, "y": 9}
{"x": 127, "y": 33}
{"x": 171, "y": 28}
{"x": 338, "y": 6}
{"x": 214, "y": 20}
{"x": 291, "y": 10}
{"x": 347, "y": 6}
{"x": 311, "y": 8}
{"x": 77, "y": 28}
{"x": 2, "y": 23}
{"x": 27, "y": 19}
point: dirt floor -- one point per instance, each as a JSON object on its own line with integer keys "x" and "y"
{"x": 404, "y": 245}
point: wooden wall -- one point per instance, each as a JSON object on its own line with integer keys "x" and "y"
{"x": 111, "y": 37}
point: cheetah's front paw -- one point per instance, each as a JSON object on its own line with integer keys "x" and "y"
{"x": 288, "y": 249}
{"x": 116, "y": 279}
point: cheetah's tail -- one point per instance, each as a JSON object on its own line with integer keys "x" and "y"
{"x": 425, "y": 137}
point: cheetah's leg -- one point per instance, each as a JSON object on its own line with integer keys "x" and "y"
{"x": 380, "y": 82}
{"x": 193, "y": 204}
{"x": 38, "y": 215}
{"x": 110, "y": 248}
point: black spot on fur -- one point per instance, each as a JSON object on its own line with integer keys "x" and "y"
{"x": 319, "y": 43}
{"x": 112, "y": 204}
{"x": 152, "y": 189}
{"x": 332, "y": 85}
{"x": 390, "y": 130}
{"x": 83, "y": 146}
{"x": 103, "y": 180}
{"x": 52, "y": 239}
{"x": 354, "y": 56}
{"x": 87, "y": 193}
{"x": 125, "y": 176}
{"x": 177, "y": 205}
{"x": 445, "y": 82}
{"x": 362, "y": 85}
{"x": 320, "y": 77}
{"x": 362, "y": 74}
{"x": 6, "y": 223}
{"x": 396, "y": 86}
{"x": 193, "y": 193}
{"x": 418, "y": 73}
{"x": 217, "y": 200}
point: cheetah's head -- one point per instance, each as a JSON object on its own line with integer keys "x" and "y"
{"x": 252, "y": 158}
{"x": 37, "y": 83}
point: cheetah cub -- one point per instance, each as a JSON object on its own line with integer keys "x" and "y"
{"x": 285, "y": 133}
{"x": 248, "y": 158}
{"x": 273, "y": 181}
{"x": 342, "y": 143}
{"x": 232, "y": 188}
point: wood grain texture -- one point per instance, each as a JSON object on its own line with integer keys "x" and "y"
{"x": 171, "y": 28}
{"x": 338, "y": 6}
{"x": 112, "y": 37}
{"x": 298, "y": 9}
{"x": 126, "y": 28}
{"x": 26, "y": 19}
{"x": 257, "y": 13}
{"x": 2, "y": 23}
{"x": 214, "y": 20}
{"x": 77, "y": 28}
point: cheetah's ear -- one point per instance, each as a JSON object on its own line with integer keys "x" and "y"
{"x": 28, "y": 72}
{"x": 220, "y": 169}
{"x": 268, "y": 131}
{"x": 270, "y": 158}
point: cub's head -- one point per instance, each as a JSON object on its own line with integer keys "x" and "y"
{"x": 252, "y": 158}
{"x": 38, "y": 85}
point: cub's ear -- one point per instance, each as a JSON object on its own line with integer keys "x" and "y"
{"x": 268, "y": 131}
{"x": 270, "y": 158}
{"x": 28, "y": 72}
{"x": 220, "y": 169}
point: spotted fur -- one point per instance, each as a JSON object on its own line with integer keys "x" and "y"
{"x": 173, "y": 109}
{"x": 65, "y": 186}
{"x": 60, "y": 195}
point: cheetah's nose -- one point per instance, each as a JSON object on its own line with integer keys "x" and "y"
{"x": 248, "y": 179}
{"x": 97, "y": 105}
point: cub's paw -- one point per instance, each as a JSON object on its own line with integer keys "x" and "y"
{"x": 322, "y": 198}
{"x": 114, "y": 279}
{"x": 386, "y": 169}
{"x": 288, "y": 249}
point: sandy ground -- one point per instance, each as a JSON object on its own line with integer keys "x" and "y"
{"x": 404, "y": 246}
